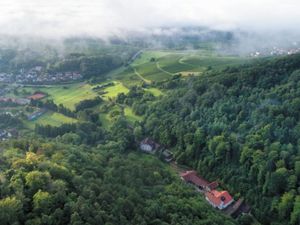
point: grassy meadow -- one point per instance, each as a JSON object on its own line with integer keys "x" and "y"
{"x": 50, "y": 118}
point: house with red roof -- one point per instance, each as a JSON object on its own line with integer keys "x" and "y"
{"x": 192, "y": 178}
{"x": 219, "y": 199}
{"x": 37, "y": 96}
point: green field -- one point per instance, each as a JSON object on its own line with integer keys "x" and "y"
{"x": 68, "y": 95}
{"x": 131, "y": 116}
{"x": 147, "y": 55}
{"x": 168, "y": 63}
{"x": 113, "y": 91}
{"x": 148, "y": 67}
{"x": 155, "y": 91}
{"x": 50, "y": 118}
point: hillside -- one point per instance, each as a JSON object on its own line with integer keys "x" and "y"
{"x": 239, "y": 125}
{"x": 232, "y": 119}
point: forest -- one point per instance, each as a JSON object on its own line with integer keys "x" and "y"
{"x": 239, "y": 125}
{"x": 51, "y": 182}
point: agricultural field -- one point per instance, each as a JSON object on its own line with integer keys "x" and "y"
{"x": 150, "y": 66}
{"x": 153, "y": 66}
{"x": 147, "y": 55}
{"x": 68, "y": 95}
{"x": 50, "y": 118}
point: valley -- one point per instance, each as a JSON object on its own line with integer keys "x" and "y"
{"x": 199, "y": 105}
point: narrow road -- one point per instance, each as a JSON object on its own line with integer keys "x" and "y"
{"x": 162, "y": 70}
{"x": 140, "y": 76}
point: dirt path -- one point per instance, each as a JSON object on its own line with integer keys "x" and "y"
{"x": 162, "y": 70}
{"x": 181, "y": 61}
{"x": 140, "y": 76}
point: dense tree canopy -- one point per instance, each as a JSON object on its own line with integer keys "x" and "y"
{"x": 239, "y": 125}
{"x": 44, "y": 182}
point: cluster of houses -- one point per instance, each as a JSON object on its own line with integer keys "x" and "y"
{"x": 275, "y": 51}
{"x": 220, "y": 199}
{"x": 6, "y": 78}
{"x": 17, "y": 101}
{"x": 23, "y": 101}
{"x": 4, "y": 90}
{"x": 37, "y": 75}
{"x": 151, "y": 147}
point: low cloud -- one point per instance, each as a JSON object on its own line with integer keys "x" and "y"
{"x": 102, "y": 18}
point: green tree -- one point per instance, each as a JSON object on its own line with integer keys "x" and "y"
{"x": 10, "y": 210}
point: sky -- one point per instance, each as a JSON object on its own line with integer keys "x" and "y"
{"x": 61, "y": 18}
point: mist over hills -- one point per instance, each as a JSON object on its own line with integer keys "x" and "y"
{"x": 240, "y": 42}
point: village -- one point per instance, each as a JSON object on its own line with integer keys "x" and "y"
{"x": 37, "y": 75}
{"x": 211, "y": 191}
{"x": 275, "y": 51}
{"x": 10, "y": 101}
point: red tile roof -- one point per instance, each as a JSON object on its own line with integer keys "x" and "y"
{"x": 192, "y": 177}
{"x": 36, "y": 96}
{"x": 216, "y": 197}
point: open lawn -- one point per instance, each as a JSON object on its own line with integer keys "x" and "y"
{"x": 113, "y": 91}
{"x": 131, "y": 117}
{"x": 155, "y": 91}
{"x": 105, "y": 120}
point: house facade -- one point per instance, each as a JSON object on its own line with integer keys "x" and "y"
{"x": 219, "y": 199}
{"x": 192, "y": 178}
{"x": 148, "y": 145}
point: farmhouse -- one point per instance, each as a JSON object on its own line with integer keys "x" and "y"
{"x": 37, "y": 96}
{"x": 219, "y": 199}
{"x": 149, "y": 146}
{"x": 18, "y": 101}
{"x": 192, "y": 178}
{"x": 196, "y": 180}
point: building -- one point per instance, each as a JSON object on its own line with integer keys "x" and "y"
{"x": 37, "y": 96}
{"x": 219, "y": 199}
{"x": 167, "y": 156}
{"x": 192, "y": 178}
{"x": 18, "y": 101}
{"x": 149, "y": 146}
